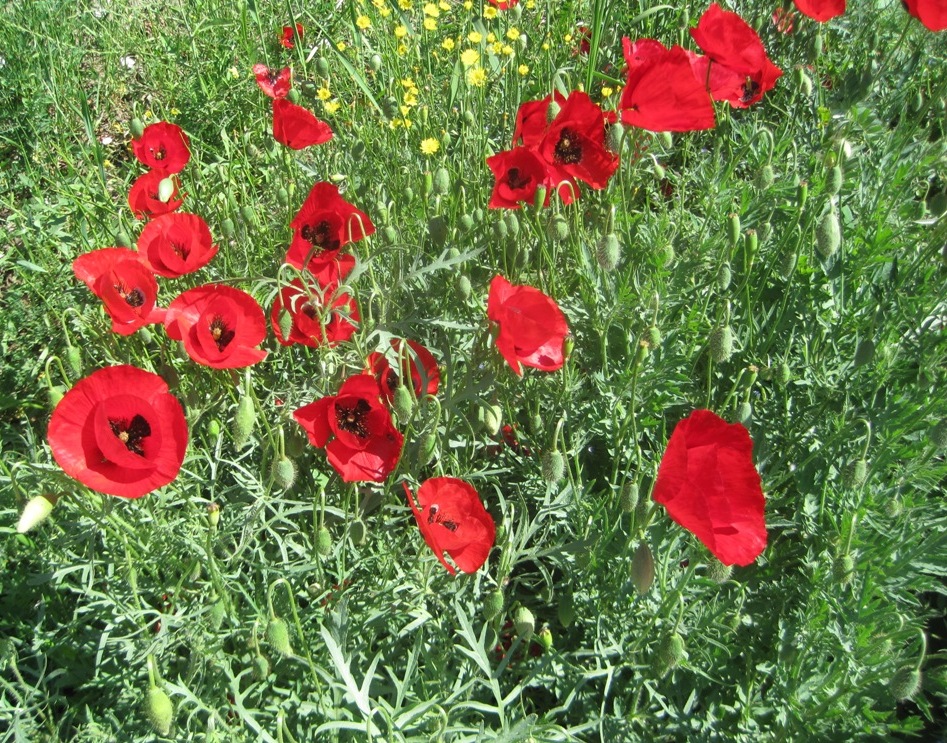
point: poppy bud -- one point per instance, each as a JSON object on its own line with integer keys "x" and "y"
{"x": 500, "y": 230}
{"x": 614, "y": 136}
{"x": 463, "y": 288}
{"x": 786, "y": 264}
{"x": 512, "y": 223}
{"x": 137, "y": 127}
{"x": 828, "y": 235}
{"x": 724, "y": 276}
{"x": 938, "y": 434}
{"x": 73, "y": 362}
{"x": 608, "y": 252}
{"x": 843, "y": 569}
{"x": 402, "y": 403}
{"x": 744, "y": 414}
{"x": 390, "y": 234}
{"x": 751, "y": 243}
{"x": 544, "y": 638}
{"x": 568, "y": 346}
{"x": 517, "y": 12}
{"x": 665, "y": 139}
{"x": 285, "y": 321}
{"x": 277, "y": 633}
{"x": 659, "y": 172}
{"x": 123, "y": 239}
{"x": 374, "y": 62}
{"x": 733, "y": 230}
{"x": 35, "y": 512}
{"x": 282, "y": 196}
{"x": 491, "y": 417}
{"x": 855, "y": 474}
{"x": 165, "y": 189}
{"x": 766, "y": 177}
{"x": 783, "y": 374}
{"x": 217, "y": 614}
{"x": 493, "y": 604}
{"x": 669, "y": 653}
{"x": 557, "y": 228}
{"x": 552, "y": 111}
{"x": 284, "y": 472}
{"x": 426, "y": 447}
{"x": 804, "y": 82}
{"x": 358, "y": 531}
{"x": 815, "y": 48}
{"x": 864, "y": 352}
{"x": 159, "y": 710}
{"x": 261, "y": 668}
{"x": 721, "y": 344}
{"x": 642, "y": 569}
{"x": 465, "y": 222}
{"x": 802, "y": 194}
{"x": 243, "y": 421}
{"x": 523, "y": 623}
{"x": 293, "y": 96}
{"x": 322, "y": 66}
{"x": 905, "y": 683}
{"x": 833, "y": 180}
{"x": 56, "y": 393}
{"x": 629, "y": 496}
{"x": 553, "y": 466}
{"x": 228, "y": 227}
{"x": 441, "y": 184}
{"x": 428, "y": 183}
{"x": 213, "y": 515}
{"x": 718, "y": 572}
{"x": 324, "y": 541}
{"x": 664, "y": 254}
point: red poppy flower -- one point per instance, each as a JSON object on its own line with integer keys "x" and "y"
{"x": 296, "y": 127}
{"x": 661, "y": 93}
{"x": 709, "y": 485}
{"x": 415, "y": 362}
{"x": 452, "y": 519}
{"x": 288, "y": 40}
{"x": 275, "y": 83}
{"x": 932, "y": 13}
{"x": 311, "y": 321}
{"x": 518, "y": 172}
{"x": 325, "y": 223}
{"x": 783, "y": 20}
{"x": 530, "y": 326}
{"x": 176, "y": 244}
{"x": 219, "y": 325}
{"x": 143, "y": 196}
{"x": 126, "y": 286}
{"x": 820, "y": 10}
{"x": 504, "y": 4}
{"x": 531, "y": 120}
{"x": 730, "y": 42}
{"x": 365, "y": 445}
{"x": 163, "y": 146}
{"x": 119, "y": 432}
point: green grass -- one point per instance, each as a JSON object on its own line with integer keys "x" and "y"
{"x": 385, "y": 643}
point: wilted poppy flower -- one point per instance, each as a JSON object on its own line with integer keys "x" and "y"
{"x": 126, "y": 286}
{"x": 219, "y": 325}
{"x": 452, "y": 519}
{"x": 296, "y": 127}
{"x": 783, "y": 20}
{"x": 661, "y": 93}
{"x": 313, "y": 315}
{"x": 163, "y": 146}
{"x": 275, "y": 83}
{"x": 932, "y": 13}
{"x": 119, "y": 432}
{"x": 365, "y": 445}
{"x": 325, "y": 223}
{"x": 415, "y": 362}
{"x": 820, "y": 10}
{"x": 530, "y": 326}
{"x": 176, "y": 244}
{"x": 518, "y": 172}
{"x": 730, "y": 42}
{"x": 143, "y": 197}
{"x": 287, "y": 39}
{"x": 709, "y": 485}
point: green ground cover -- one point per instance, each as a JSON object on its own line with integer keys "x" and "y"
{"x": 836, "y": 366}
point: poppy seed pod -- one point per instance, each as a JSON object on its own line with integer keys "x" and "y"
{"x": 721, "y": 344}
{"x": 724, "y": 276}
{"x": 553, "y": 466}
{"x": 324, "y": 542}
{"x": 243, "y": 422}
{"x": 159, "y": 710}
{"x": 261, "y": 668}
{"x": 284, "y": 472}
{"x": 629, "y": 497}
{"x": 608, "y": 252}
{"x": 669, "y": 653}
{"x": 828, "y": 235}
{"x": 441, "y": 183}
{"x": 905, "y": 683}
{"x": 642, "y": 569}
{"x": 493, "y": 604}
{"x": 523, "y": 623}
{"x": 277, "y": 633}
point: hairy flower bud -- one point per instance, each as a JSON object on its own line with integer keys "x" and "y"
{"x": 284, "y": 472}
{"x": 557, "y": 228}
{"x": 553, "y": 466}
{"x": 905, "y": 683}
{"x": 642, "y": 569}
{"x": 938, "y": 434}
{"x": 493, "y": 604}
{"x": 724, "y": 275}
{"x": 608, "y": 252}
{"x": 828, "y": 235}
{"x": 244, "y": 421}
{"x": 669, "y": 653}
{"x": 864, "y": 352}
{"x": 721, "y": 343}
{"x": 35, "y": 512}
{"x": 441, "y": 184}
{"x": 159, "y": 710}
{"x": 833, "y": 180}
{"x": 523, "y": 623}
{"x": 277, "y": 634}
{"x": 733, "y": 230}
{"x": 137, "y": 127}
{"x": 629, "y": 496}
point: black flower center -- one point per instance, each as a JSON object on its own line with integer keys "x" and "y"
{"x": 432, "y": 518}
{"x": 133, "y": 297}
{"x": 319, "y": 234}
{"x": 132, "y": 433}
{"x": 352, "y": 420}
{"x": 568, "y": 149}
{"x": 160, "y": 153}
{"x": 515, "y": 179}
{"x": 221, "y": 334}
{"x": 750, "y": 89}
{"x": 181, "y": 250}
{"x": 273, "y": 77}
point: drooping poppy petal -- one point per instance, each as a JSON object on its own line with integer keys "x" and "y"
{"x": 124, "y": 283}
{"x": 176, "y": 244}
{"x": 530, "y": 326}
{"x": 313, "y": 315}
{"x": 119, "y": 432}
{"x": 288, "y": 40}
{"x": 504, "y": 4}
{"x": 220, "y": 326}
{"x": 452, "y": 519}
{"x": 932, "y": 13}
{"x": 163, "y": 146}
{"x": 820, "y": 10}
{"x": 531, "y": 120}
{"x": 355, "y": 429}
{"x": 274, "y": 83}
{"x": 296, "y": 127}
{"x": 411, "y": 360}
{"x": 709, "y": 485}
{"x": 144, "y": 199}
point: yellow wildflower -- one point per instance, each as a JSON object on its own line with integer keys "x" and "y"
{"x": 324, "y": 93}
{"x": 430, "y": 145}
{"x": 332, "y": 106}
{"x": 496, "y": 47}
{"x": 545, "y": 46}
{"x": 523, "y": 70}
{"x": 470, "y": 57}
{"x": 430, "y": 24}
{"x": 476, "y": 77}
{"x": 410, "y": 100}
{"x": 443, "y": 5}
{"x": 512, "y": 33}
{"x": 341, "y": 46}
{"x": 408, "y": 82}
{"x": 491, "y": 37}
{"x": 468, "y": 4}
{"x": 404, "y": 110}
{"x": 606, "y": 91}
{"x": 431, "y": 10}
{"x": 404, "y": 4}
{"x": 384, "y": 11}
{"x": 474, "y": 37}
{"x": 407, "y": 123}
{"x": 567, "y": 38}
{"x": 530, "y": 4}
{"x": 174, "y": 111}
{"x": 489, "y": 12}
{"x": 448, "y": 44}
{"x": 363, "y": 22}
{"x": 401, "y": 31}
{"x": 402, "y": 50}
